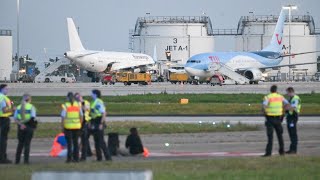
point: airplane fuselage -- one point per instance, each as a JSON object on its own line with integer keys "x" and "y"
{"x": 200, "y": 64}
{"x": 98, "y": 61}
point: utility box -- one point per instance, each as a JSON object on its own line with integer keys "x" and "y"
{"x": 184, "y": 101}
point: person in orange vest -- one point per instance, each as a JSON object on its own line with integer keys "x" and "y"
{"x": 71, "y": 120}
{"x": 273, "y": 105}
{"x": 6, "y": 110}
{"x": 59, "y": 146}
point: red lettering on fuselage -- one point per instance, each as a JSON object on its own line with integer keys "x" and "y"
{"x": 214, "y": 59}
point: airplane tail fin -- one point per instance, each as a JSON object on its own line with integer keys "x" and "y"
{"x": 74, "y": 39}
{"x": 276, "y": 41}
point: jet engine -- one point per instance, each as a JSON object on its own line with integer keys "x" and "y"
{"x": 253, "y": 74}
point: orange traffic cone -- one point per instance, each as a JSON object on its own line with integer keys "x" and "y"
{"x": 145, "y": 152}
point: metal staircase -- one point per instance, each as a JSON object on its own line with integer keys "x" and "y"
{"x": 227, "y": 71}
{"x": 52, "y": 67}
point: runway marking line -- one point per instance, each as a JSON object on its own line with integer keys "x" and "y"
{"x": 184, "y": 154}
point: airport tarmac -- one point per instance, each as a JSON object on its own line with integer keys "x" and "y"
{"x": 61, "y": 89}
{"x": 181, "y": 146}
{"x": 194, "y": 145}
{"x": 201, "y": 120}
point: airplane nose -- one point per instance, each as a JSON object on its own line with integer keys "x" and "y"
{"x": 188, "y": 69}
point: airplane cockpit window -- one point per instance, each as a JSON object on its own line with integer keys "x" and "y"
{"x": 193, "y": 61}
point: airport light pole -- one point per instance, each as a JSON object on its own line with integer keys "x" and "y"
{"x": 18, "y": 12}
{"x": 290, "y": 8}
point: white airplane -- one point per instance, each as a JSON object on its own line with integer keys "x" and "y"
{"x": 248, "y": 64}
{"x": 103, "y": 61}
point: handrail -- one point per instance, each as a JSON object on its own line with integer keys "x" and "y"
{"x": 225, "y": 32}
{"x": 172, "y": 19}
{"x": 273, "y": 19}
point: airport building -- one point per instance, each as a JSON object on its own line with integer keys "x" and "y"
{"x": 5, "y": 54}
{"x": 255, "y": 32}
{"x": 178, "y": 36}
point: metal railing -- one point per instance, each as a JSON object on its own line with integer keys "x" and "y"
{"x": 226, "y": 32}
{"x": 172, "y": 20}
{"x": 5, "y": 32}
{"x": 273, "y": 19}
{"x": 297, "y": 77}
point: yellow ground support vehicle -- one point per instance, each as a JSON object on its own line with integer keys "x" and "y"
{"x": 129, "y": 78}
{"x": 175, "y": 78}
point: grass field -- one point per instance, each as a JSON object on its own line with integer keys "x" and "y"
{"x": 174, "y": 98}
{"x": 151, "y": 104}
{"x": 288, "y": 167}
{"x": 50, "y": 130}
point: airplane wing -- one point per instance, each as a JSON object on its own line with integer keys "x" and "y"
{"x": 296, "y": 54}
{"x": 287, "y": 65}
{"x": 278, "y": 66}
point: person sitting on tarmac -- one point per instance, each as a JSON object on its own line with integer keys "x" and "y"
{"x": 133, "y": 144}
{"x": 59, "y": 146}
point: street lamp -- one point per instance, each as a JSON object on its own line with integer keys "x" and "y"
{"x": 290, "y": 8}
{"x": 18, "y": 9}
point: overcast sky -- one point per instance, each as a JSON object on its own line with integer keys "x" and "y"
{"x": 104, "y": 24}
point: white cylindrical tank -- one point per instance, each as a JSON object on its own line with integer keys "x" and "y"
{"x": 5, "y": 55}
{"x": 257, "y": 34}
{"x": 183, "y": 37}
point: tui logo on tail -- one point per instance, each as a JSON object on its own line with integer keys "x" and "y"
{"x": 279, "y": 41}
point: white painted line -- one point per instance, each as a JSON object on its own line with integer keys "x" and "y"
{"x": 183, "y": 154}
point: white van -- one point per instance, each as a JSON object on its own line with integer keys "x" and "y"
{"x": 57, "y": 77}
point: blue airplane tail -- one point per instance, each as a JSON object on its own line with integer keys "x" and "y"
{"x": 277, "y": 37}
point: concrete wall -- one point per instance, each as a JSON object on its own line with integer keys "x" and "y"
{"x": 96, "y": 175}
{"x": 182, "y": 40}
{"x": 5, "y": 57}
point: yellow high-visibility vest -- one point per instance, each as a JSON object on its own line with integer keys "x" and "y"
{"x": 296, "y": 98}
{"x": 87, "y": 111}
{"x": 27, "y": 111}
{"x": 94, "y": 111}
{"x": 9, "y": 106}
{"x": 275, "y": 105}
{"x": 72, "y": 119}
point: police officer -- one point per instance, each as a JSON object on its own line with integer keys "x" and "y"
{"x": 71, "y": 120}
{"x": 24, "y": 116}
{"x": 98, "y": 116}
{"x": 6, "y": 110}
{"x": 292, "y": 118}
{"x": 85, "y": 107}
{"x": 273, "y": 110}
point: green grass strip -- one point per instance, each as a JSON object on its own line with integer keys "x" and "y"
{"x": 288, "y": 167}
{"x": 50, "y": 130}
